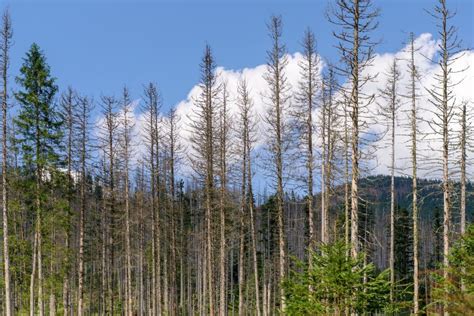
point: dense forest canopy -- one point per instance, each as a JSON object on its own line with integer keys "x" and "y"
{"x": 306, "y": 186}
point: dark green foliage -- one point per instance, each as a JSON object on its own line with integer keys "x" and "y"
{"x": 460, "y": 283}
{"x": 37, "y": 176}
{"x": 38, "y": 123}
{"x": 335, "y": 284}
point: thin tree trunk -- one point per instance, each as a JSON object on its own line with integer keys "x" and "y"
{"x": 241, "y": 265}
{"x": 126, "y": 143}
{"x": 445, "y": 146}
{"x": 32, "y": 277}
{"x": 222, "y": 201}
{"x": 6, "y": 35}
{"x": 392, "y": 211}
{"x": 463, "y": 169}
{"x": 355, "y": 135}
{"x": 414, "y": 178}
{"x": 347, "y": 222}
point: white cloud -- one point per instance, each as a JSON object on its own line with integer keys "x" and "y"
{"x": 427, "y": 46}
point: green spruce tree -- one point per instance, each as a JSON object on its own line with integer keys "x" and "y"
{"x": 39, "y": 138}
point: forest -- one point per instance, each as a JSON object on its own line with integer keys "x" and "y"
{"x": 113, "y": 206}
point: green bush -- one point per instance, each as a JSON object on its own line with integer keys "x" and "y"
{"x": 335, "y": 284}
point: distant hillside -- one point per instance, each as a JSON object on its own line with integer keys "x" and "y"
{"x": 377, "y": 190}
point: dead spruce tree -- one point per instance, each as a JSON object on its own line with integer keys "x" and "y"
{"x": 174, "y": 150}
{"x": 306, "y": 103}
{"x": 68, "y": 105}
{"x": 151, "y": 134}
{"x": 203, "y": 156}
{"x": 388, "y": 109}
{"x": 223, "y": 149}
{"x": 126, "y": 152}
{"x": 248, "y": 127}
{"x": 6, "y": 34}
{"x": 413, "y": 95}
{"x": 277, "y": 101}
{"x": 356, "y": 20}
{"x": 108, "y": 134}
{"x": 84, "y": 108}
{"x": 465, "y": 144}
{"x": 329, "y": 135}
{"x": 442, "y": 99}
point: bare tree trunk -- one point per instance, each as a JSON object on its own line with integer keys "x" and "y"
{"x": 445, "y": 145}
{"x": 67, "y": 101}
{"x": 32, "y": 277}
{"x": 347, "y": 223}
{"x": 357, "y": 50}
{"x": 389, "y": 111}
{"x": 241, "y": 265}
{"x": 463, "y": 168}
{"x": 6, "y": 36}
{"x": 152, "y": 107}
{"x": 38, "y": 217}
{"x": 126, "y": 140}
{"x": 223, "y": 135}
{"x": 413, "y": 77}
{"x": 83, "y": 125}
{"x": 355, "y": 137}
{"x": 245, "y": 104}
{"x": 204, "y": 160}
{"x": 324, "y": 216}
{"x": 276, "y": 80}
{"x": 392, "y": 213}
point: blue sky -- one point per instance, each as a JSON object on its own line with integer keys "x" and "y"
{"x": 98, "y": 46}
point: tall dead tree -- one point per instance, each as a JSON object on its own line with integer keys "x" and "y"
{"x": 108, "y": 141}
{"x": 68, "y": 104}
{"x": 246, "y": 137}
{"x": 203, "y": 156}
{"x": 464, "y": 145}
{"x": 329, "y": 121}
{"x": 442, "y": 99}
{"x": 6, "y": 34}
{"x": 223, "y": 158}
{"x": 413, "y": 117}
{"x": 356, "y": 20}
{"x": 152, "y": 112}
{"x": 174, "y": 151}
{"x": 276, "y": 119}
{"x": 306, "y": 103}
{"x": 83, "y": 126}
{"x": 126, "y": 153}
{"x": 389, "y": 111}
{"x": 346, "y": 157}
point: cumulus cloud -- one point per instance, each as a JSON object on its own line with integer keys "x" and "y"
{"x": 427, "y": 49}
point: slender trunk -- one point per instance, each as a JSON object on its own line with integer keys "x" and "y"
{"x": 128, "y": 259}
{"x": 38, "y": 216}
{"x": 241, "y": 265}
{"x": 445, "y": 136}
{"x": 463, "y": 169}
{"x": 323, "y": 170}
{"x": 6, "y": 34}
{"x": 392, "y": 209}
{"x": 414, "y": 178}
{"x": 346, "y": 181}
{"x": 32, "y": 277}
{"x": 252, "y": 226}
{"x": 241, "y": 230}
{"x": 80, "y": 289}
{"x": 355, "y": 135}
